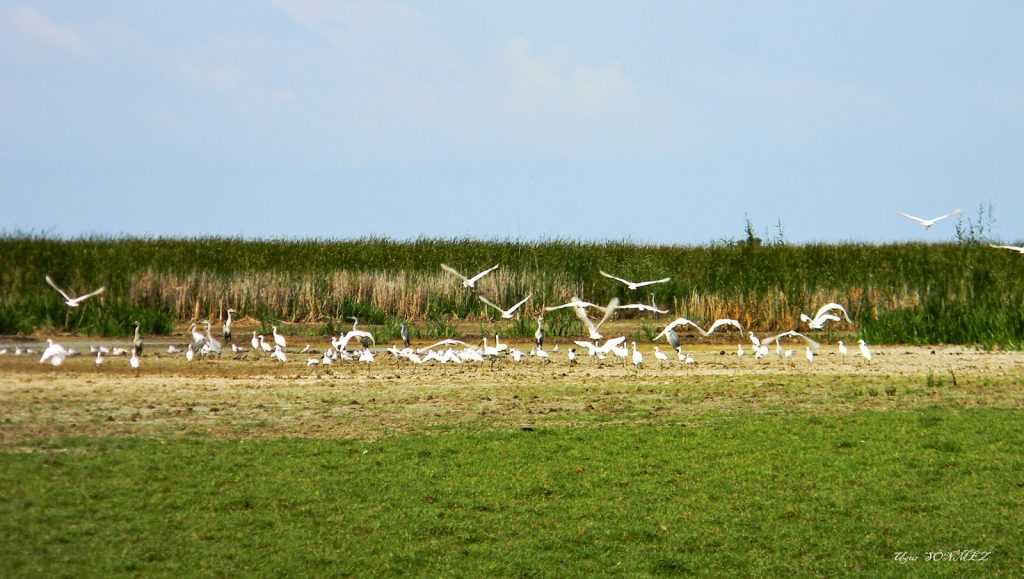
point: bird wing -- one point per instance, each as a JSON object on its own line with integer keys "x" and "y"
{"x": 609, "y": 310}
{"x": 794, "y": 334}
{"x": 675, "y": 323}
{"x": 482, "y": 273}
{"x": 490, "y": 303}
{"x": 581, "y": 313}
{"x": 913, "y": 218}
{"x": 89, "y": 295}
{"x": 452, "y": 271}
{"x": 518, "y": 305}
{"x": 642, "y": 308}
{"x": 588, "y": 345}
{"x": 359, "y": 334}
{"x": 568, "y": 305}
{"x": 643, "y": 283}
{"x": 724, "y": 322}
{"x": 1010, "y": 247}
{"x": 610, "y": 276}
{"x": 60, "y": 291}
{"x": 953, "y": 213}
{"x": 445, "y": 342}
{"x": 829, "y": 307}
{"x": 611, "y": 344}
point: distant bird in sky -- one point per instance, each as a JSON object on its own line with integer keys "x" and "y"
{"x": 1010, "y": 247}
{"x": 469, "y": 282}
{"x": 70, "y": 301}
{"x": 929, "y": 223}
{"x": 634, "y": 284}
{"x": 509, "y": 313}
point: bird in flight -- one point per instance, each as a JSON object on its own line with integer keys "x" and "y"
{"x": 685, "y": 322}
{"x": 824, "y": 315}
{"x": 634, "y": 284}
{"x": 929, "y": 223}
{"x": 469, "y": 282}
{"x": 642, "y": 308}
{"x": 70, "y": 301}
{"x": 505, "y": 314}
{"x": 1010, "y": 247}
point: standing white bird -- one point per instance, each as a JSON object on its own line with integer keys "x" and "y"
{"x": 134, "y": 360}
{"x": 634, "y": 285}
{"x": 660, "y": 356}
{"x": 505, "y": 314}
{"x": 809, "y": 354}
{"x": 99, "y": 358}
{"x": 739, "y": 350}
{"x": 190, "y": 354}
{"x": 70, "y": 301}
{"x": 279, "y": 354}
{"x": 842, "y": 349}
{"x": 638, "y": 357}
{"x": 572, "y": 357}
{"x": 264, "y": 346}
{"x": 1010, "y": 247}
{"x": 198, "y": 339}
{"x": 864, "y": 350}
{"x": 469, "y": 282}
{"x": 929, "y": 223}
{"x": 279, "y": 340}
{"x": 254, "y": 343}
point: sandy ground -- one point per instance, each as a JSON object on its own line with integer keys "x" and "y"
{"x": 256, "y": 397}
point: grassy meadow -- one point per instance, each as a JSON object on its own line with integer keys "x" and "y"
{"x": 911, "y": 292}
{"x": 743, "y": 495}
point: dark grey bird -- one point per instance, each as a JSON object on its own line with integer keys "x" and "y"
{"x": 227, "y": 326}
{"x": 405, "y": 334}
{"x": 673, "y": 338}
{"x": 538, "y": 336}
{"x": 137, "y": 340}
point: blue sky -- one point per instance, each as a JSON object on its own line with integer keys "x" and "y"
{"x": 655, "y": 121}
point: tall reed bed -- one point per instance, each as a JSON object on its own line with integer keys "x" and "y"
{"x": 907, "y": 292}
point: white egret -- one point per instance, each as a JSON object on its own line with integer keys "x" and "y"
{"x": 864, "y": 350}
{"x": 594, "y": 350}
{"x": 572, "y": 357}
{"x": 1010, "y": 247}
{"x": 190, "y": 354}
{"x": 574, "y": 302}
{"x": 824, "y": 315}
{"x": 279, "y": 340}
{"x": 790, "y": 334}
{"x": 264, "y": 346}
{"x": 660, "y": 356}
{"x": 685, "y": 322}
{"x": 254, "y": 343}
{"x": 70, "y": 301}
{"x": 929, "y": 223}
{"x": 593, "y": 328}
{"x": 279, "y": 354}
{"x": 134, "y": 360}
{"x": 809, "y": 355}
{"x": 638, "y": 357}
{"x": 99, "y": 358}
{"x": 469, "y": 282}
{"x": 642, "y": 308}
{"x": 446, "y": 342}
{"x": 509, "y": 313}
{"x": 842, "y": 349}
{"x": 634, "y": 285}
{"x": 54, "y": 354}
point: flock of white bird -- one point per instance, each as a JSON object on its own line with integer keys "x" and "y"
{"x": 450, "y": 351}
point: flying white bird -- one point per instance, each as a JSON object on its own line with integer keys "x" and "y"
{"x": 70, "y": 301}
{"x": 593, "y": 328}
{"x": 824, "y": 315}
{"x": 447, "y": 342}
{"x": 642, "y": 308}
{"x": 634, "y": 285}
{"x": 929, "y": 223}
{"x": 574, "y": 302}
{"x": 594, "y": 350}
{"x": 685, "y": 322}
{"x": 343, "y": 341}
{"x": 1010, "y": 247}
{"x": 505, "y": 314}
{"x": 790, "y": 334}
{"x": 469, "y": 282}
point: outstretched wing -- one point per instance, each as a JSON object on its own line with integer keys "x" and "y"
{"x": 829, "y": 307}
{"x": 482, "y": 273}
{"x": 609, "y": 310}
{"x": 1010, "y": 247}
{"x": 581, "y": 313}
{"x": 723, "y": 322}
{"x": 662, "y": 280}
{"x": 642, "y": 308}
{"x": 612, "y": 343}
{"x": 953, "y": 213}
{"x": 93, "y": 294}
{"x": 60, "y": 291}
{"x": 590, "y": 347}
{"x": 490, "y": 303}
{"x": 452, "y": 271}
{"x": 610, "y": 276}
{"x": 913, "y": 218}
{"x": 676, "y": 323}
{"x": 445, "y": 342}
{"x": 793, "y": 334}
{"x": 519, "y": 305}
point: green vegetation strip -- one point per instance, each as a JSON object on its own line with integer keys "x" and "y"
{"x": 737, "y": 496}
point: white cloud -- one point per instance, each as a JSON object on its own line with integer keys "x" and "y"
{"x": 37, "y": 27}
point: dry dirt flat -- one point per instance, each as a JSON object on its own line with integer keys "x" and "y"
{"x": 260, "y": 398}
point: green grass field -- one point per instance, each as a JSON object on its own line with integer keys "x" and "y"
{"x": 732, "y": 495}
